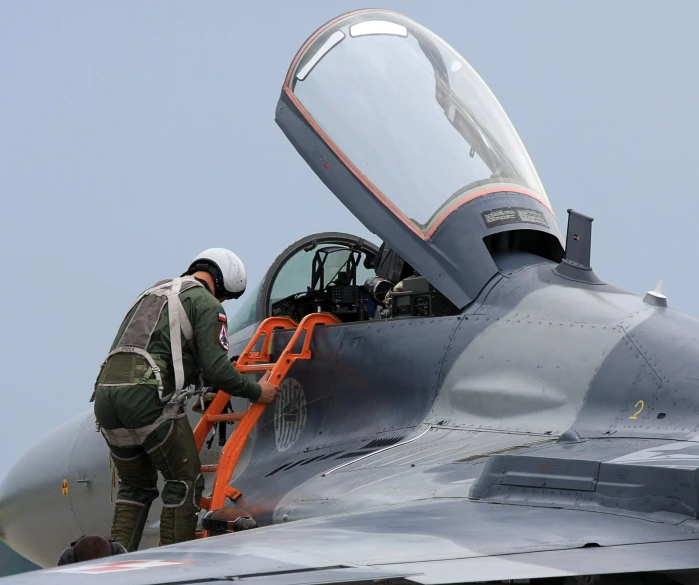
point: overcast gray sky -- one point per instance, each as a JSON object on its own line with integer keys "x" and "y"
{"x": 134, "y": 134}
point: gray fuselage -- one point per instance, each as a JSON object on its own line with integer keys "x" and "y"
{"x": 394, "y": 410}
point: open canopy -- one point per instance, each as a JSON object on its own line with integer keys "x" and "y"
{"x": 414, "y": 125}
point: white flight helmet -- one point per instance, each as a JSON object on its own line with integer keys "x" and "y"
{"x": 226, "y": 269}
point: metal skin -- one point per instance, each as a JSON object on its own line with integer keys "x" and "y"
{"x": 548, "y": 430}
{"x": 535, "y": 356}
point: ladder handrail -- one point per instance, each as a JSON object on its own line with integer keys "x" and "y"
{"x": 234, "y": 446}
{"x": 253, "y": 361}
{"x": 219, "y": 402}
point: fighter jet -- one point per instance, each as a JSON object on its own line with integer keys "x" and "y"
{"x": 486, "y": 409}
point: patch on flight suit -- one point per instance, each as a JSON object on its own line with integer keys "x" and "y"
{"x": 223, "y": 337}
{"x": 222, "y": 318}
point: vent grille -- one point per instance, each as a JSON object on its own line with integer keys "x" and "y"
{"x": 278, "y": 469}
{"x": 312, "y": 459}
{"x": 385, "y": 442}
{"x": 300, "y": 462}
{"x": 353, "y": 454}
{"x": 329, "y": 456}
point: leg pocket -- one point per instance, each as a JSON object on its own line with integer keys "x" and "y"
{"x": 138, "y": 477}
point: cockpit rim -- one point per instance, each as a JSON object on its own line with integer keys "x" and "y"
{"x": 263, "y": 290}
{"x": 269, "y": 279}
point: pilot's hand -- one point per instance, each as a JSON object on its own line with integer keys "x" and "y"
{"x": 269, "y": 390}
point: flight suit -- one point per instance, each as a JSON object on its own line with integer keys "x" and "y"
{"x": 139, "y": 408}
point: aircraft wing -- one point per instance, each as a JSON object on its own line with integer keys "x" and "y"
{"x": 449, "y": 540}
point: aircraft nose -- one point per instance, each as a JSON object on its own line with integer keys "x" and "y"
{"x": 36, "y": 516}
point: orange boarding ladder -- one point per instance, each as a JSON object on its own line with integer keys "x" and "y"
{"x": 251, "y": 361}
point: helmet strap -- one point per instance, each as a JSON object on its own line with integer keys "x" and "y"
{"x": 213, "y": 270}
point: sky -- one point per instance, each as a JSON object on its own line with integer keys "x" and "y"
{"x": 135, "y": 134}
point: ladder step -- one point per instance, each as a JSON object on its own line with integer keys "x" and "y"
{"x": 233, "y": 493}
{"x": 232, "y": 417}
{"x": 209, "y": 468}
{"x": 251, "y": 368}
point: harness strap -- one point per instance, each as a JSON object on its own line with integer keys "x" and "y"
{"x": 136, "y": 437}
{"x": 151, "y": 363}
{"x": 179, "y": 325}
{"x": 137, "y": 335}
{"x": 175, "y": 335}
{"x": 157, "y": 286}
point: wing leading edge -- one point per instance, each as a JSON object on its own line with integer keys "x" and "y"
{"x": 426, "y": 542}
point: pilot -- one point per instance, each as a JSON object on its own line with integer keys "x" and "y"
{"x": 391, "y": 272}
{"x": 173, "y": 336}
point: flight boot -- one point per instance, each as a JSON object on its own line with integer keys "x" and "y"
{"x": 127, "y": 526}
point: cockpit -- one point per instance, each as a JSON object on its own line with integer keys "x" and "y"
{"x": 325, "y": 276}
{"x": 405, "y": 133}
{"x": 344, "y": 275}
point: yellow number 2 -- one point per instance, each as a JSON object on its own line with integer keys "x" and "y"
{"x": 640, "y": 404}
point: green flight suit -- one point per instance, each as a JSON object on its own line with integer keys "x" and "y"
{"x": 126, "y": 397}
